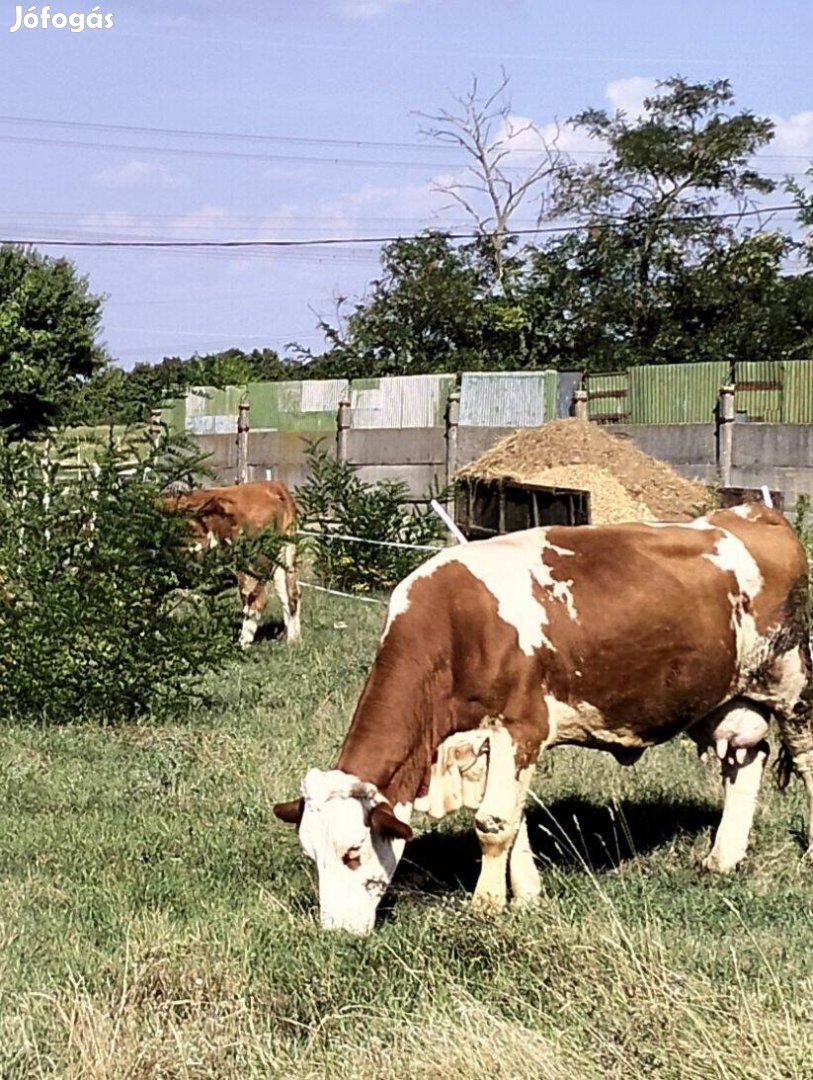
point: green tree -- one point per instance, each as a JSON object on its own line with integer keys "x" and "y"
{"x": 49, "y": 322}
{"x": 434, "y": 309}
{"x": 114, "y": 396}
{"x": 632, "y": 284}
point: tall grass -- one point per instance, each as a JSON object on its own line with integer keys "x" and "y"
{"x": 156, "y": 921}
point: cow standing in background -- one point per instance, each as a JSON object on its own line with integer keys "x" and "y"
{"x": 614, "y": 638}
{"x": 217, "y": 515}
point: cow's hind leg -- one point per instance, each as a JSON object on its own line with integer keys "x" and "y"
{"x": 737, "y": 735}
{"x": 499, "y": 820}
{"x": 796, "y": 732}
{"x": 740, "y": 790}
{"x": 287, "y": 590}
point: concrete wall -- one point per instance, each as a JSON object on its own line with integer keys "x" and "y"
{"x": 272, "y": 455}
{"x": 779, "y": 455}
{"x": 691, "y": 449}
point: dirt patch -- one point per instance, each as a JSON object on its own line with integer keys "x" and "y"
{"x": 625, "y": 484}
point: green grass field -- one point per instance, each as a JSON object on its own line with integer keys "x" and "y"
{"x": 157, "y": 921}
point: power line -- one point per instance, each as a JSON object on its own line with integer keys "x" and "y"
{"x": 334, "y": 241}
{"x": 239, "y": 155}
{"x": 298, "y": 140}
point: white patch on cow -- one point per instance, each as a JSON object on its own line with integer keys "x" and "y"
{"x": 507, "y": 566}
{"x": 747, "y": 511}
{"x": 582, "y": 723}
{"x": 699, "y": 525}
{"x": 562, "y": 591}
{"x": 354, "y": 864}
{"x": 248, "y": 630}
{"x": 731, "y": 555}
{"x": 458, "y": 774}
{"x": 789, "y": 678}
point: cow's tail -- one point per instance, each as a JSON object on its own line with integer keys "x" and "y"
{"x": 796, "y": 725}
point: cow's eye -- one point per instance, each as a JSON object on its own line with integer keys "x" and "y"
{"x": 352, "y": 858}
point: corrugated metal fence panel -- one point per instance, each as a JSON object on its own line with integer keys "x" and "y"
{"x": 759, "y": 390}
{"x": 797, "y": 397}
{"x": 567, "y": 385}
{"x": 676, "y": 393}
{"x": 608, "y": 397}
{"x": 507, "y": 399}
{"x": 407, "y": 401}
{"x": 210, "y": 411}
{"x": 295, "y": 406}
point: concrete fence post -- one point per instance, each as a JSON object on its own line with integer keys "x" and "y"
{"x": 342, "y": 430}
{"x": 580, "y": 404}
{"x": 725, "y": 434}
{"x": 154, "y": 428}
{"x": 452, "y": 431}
{"x": 242, "y": 442}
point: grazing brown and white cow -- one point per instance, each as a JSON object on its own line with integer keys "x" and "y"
{"x": 218, "y": 514}
{"x": 613, "y": 638}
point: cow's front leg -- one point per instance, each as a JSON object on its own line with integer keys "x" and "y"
{"x": 287, "y": 590}
{"x": 740, "y": 790}
{"x": 253, "y": 596}
{"x": 522, "y": 870}
{"x": 499, "y": 819}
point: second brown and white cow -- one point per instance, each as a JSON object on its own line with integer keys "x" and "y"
{"x": 217, "y": 515}
{"x": 614, "y": 638}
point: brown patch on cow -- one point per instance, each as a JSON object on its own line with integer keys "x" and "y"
{"x": 447, "y": 663}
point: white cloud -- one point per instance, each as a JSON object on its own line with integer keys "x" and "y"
{"x": 627, "y": 95}
{"x": 135, "y": 174}
{"x": 793, "y": 135}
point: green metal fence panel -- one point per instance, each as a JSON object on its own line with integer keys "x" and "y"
{"x": 676, "y": 393}
{"x": 306, "y": 406}
{"x": 759, "y": 390}
{"x": 212, "y": 411}
{"x": 797, "y": 396}
{"x": 174, "y": 415}
{"x": 608, "y": 397}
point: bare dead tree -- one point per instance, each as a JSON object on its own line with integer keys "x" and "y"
{"x": 494, "y": 185}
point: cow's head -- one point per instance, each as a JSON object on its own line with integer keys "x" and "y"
{"x": 352, "y": 834}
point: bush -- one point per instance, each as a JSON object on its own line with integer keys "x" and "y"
{"x": 803, "y": 524}
{"x": 334, "y": 500}
{"x": 93, "y": 576}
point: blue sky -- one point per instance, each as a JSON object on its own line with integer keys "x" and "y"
{"x": 320, "y": 70}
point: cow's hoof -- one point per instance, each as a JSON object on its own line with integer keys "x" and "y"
{"x": 519, "y": 901}
{"x": 487, "y": 904}
{"x": 713, "y": 864}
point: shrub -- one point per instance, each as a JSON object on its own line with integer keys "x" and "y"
{"x": 93, "y": 576}
{"x": 803, "y": 524}
{"x": 334, "y": 500}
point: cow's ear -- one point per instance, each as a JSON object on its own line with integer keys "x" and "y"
{"x": 385, "y": 823}
{"x": 290, "y": 812}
